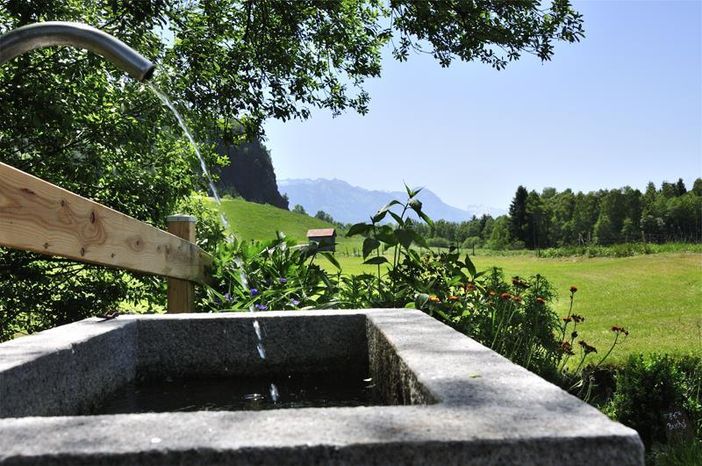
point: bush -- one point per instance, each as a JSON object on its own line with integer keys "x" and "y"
{"x": 620, "y": 250}
{"x": 647, "y": 388}
{"x": 472, "y": 242}
{"x": 517, "y": 245}
{"x": 269, "y": 275}
{"x": 687, "y": 453}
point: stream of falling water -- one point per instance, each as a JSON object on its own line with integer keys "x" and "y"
{"x": 213, "y": 190}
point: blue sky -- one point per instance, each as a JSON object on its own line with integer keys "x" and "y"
{"x": 622, "y": 107}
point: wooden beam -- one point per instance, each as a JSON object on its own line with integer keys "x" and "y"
{"x": 181, "y": 293}
{"x": 38, "y": 216}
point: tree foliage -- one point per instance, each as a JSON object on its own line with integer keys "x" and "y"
{"x": 553, "y": 219}
{"x": 71, "y": 118}
{"x": 518, "y": 217}
{"x": 249, "y": 60}
{"x": 322, "y": 215}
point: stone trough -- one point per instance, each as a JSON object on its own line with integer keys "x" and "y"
{"x": 445, "y": 398}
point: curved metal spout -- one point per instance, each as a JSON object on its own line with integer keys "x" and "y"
{"x": 51, "y": 33}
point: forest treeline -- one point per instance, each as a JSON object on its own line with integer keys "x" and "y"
{"x": 670, "y": 212}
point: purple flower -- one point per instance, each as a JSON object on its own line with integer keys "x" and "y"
{"x": 261, "y": 307}
{"x": 254, "y": 291}
{"x": 283, "y": 280}
{"x": 228, "y": 297}
{"x": 294, "y": 302}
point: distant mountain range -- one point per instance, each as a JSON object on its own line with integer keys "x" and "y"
{"x": 351, "y": 204}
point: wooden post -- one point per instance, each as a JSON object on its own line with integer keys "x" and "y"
{"x": 181, "y": 293}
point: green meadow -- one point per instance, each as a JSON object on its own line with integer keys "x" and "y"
{"x": 261, "y": 221}
{"x": 657, "y": 297}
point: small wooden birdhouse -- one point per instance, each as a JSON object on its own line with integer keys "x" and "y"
{"x": 326, "y": 237}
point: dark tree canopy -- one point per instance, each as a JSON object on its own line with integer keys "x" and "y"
{"x": 518, "y": 216}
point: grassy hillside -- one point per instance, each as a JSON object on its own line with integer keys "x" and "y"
{"x": 249, "y": 220}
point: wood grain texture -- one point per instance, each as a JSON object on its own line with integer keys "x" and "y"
{"x": 181, "y": 293}
{"x": 38, "y": 216}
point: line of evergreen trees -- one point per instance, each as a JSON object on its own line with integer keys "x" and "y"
{"x": 552, "y": 218}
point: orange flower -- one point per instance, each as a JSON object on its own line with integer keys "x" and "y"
{"x": 470, "y": 287}
{"x": 573, "y": 289}
{"x": 567, "y": 348}
{"x": 453, "y": 298}
{"x": 617, "y": 329}
{"x": 519, "y": 283}
{"x": 587, "y": 348}
{"x": 434, "y": 299}
{"x": 540, "y": 300}
{"x": 517, "y": 299}
{"x": 578, "y": 318}
{"x": 505, "y": 296}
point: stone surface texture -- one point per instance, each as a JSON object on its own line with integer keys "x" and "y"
{"x": 461, "y": 403}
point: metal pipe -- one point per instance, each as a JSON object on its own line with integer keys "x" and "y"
{"x": 52, "y": 33}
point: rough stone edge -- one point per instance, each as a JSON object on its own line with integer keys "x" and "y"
{"x": 99, "y": 355}
{"x": 399, "y": 386}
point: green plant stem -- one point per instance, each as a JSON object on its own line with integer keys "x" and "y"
{"x": 616, "y": 339}
{"x": 565, "y": 323}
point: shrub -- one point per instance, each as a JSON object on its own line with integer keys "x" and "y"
{"x": 620, "y": 250}
{"x": 647, "y": 388}
{"x": 686, "y": 453}
{"x": 269, "y": 275}
{"x": 512, "y": 317}
{"x": 472, "y": 242}
{"x": 517, "y": 245}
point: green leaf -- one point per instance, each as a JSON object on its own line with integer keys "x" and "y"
{"x": 369, "y": 244}
{"x": 397, "y": 218}
{"x": 389, "y": 205}
{"x": 416, "y": 205}
{"x": 330, "y": 257}
{"x": 387, "y": 236}
{"x": 378, "y": 216}
{"x": 470, "y": 266}
{"x": 377, "y": 260}
{"x": 412, "y": 192}
{"x": 359, "y": 229}
{"x": 419, "y": 239}
{"x": 405, "y": 237}
{"x": 426, "y": 218}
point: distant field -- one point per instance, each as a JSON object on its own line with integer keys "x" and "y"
{"x": 657, "y": 297}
